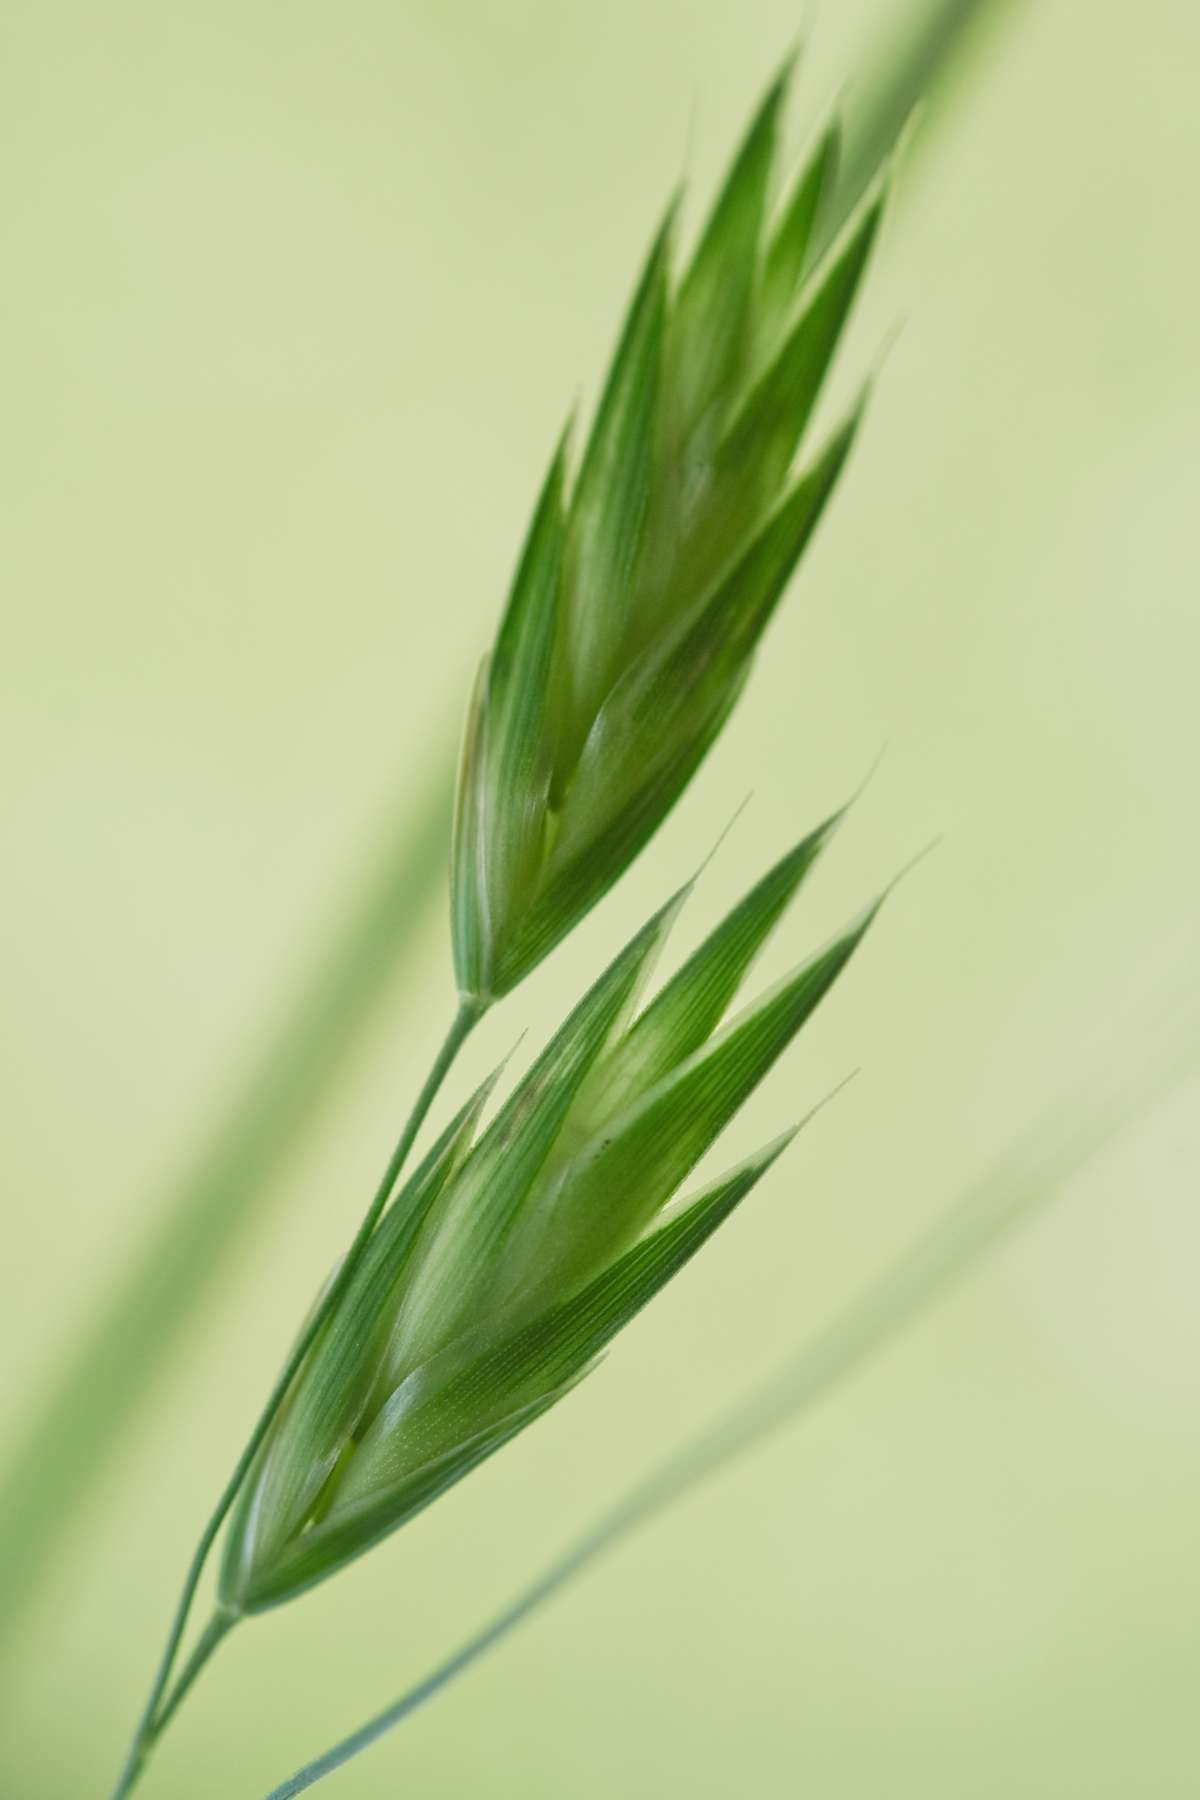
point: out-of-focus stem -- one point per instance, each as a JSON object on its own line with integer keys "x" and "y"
{"x": 122, "y": 1354}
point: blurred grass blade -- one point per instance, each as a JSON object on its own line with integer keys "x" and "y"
{"x": 198, "y": 1227}
{"x": 1145, "y": 1061}
{"x": 113, "y": 1370}
{"x": 920, "y": 61}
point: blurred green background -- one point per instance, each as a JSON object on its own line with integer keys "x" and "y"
{"x": 294, "y": 302}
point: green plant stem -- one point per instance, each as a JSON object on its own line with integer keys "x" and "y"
{"x": 1062, "y": 1141}
{"x": 469, "y": 1013}
{"x": 218, "y": 1627}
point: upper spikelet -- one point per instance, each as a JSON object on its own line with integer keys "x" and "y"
{"x": 648, "y": 577}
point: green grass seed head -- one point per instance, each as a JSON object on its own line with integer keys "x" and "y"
{"x": 505, "y": 1265}
{"x": 647, "y": 580}
{"x": 509, "y": 1258}
{"x": 474, "y": 1297}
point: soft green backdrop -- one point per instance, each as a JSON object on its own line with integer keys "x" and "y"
{"x": 294, "y": 300}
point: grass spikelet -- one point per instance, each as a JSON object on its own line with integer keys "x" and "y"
{"x": 646, "y": 584}
{"x": 513, "y": 1265}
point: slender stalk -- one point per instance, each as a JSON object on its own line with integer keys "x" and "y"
{"x": 218, "y": 1627}
{"x": 469, "y": 1013}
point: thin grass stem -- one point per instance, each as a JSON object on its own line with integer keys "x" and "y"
{"x": 218, "y": 1627}
{"x": 153, "y": 1719}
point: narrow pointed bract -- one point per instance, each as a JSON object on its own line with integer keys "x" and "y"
{"x": 711, "y": 335}
{"x": 619, "y": 674}
{"x": 506, "y": 771}
{"x": 609, "y": 507}
{"x": 788, "y": 255}
{"x": 687, "y": 1010}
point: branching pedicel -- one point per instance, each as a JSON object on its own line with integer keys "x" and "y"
{"x": 477, "y": 1294}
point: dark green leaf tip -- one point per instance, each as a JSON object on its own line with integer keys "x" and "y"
{"x": 792, "y": 244}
